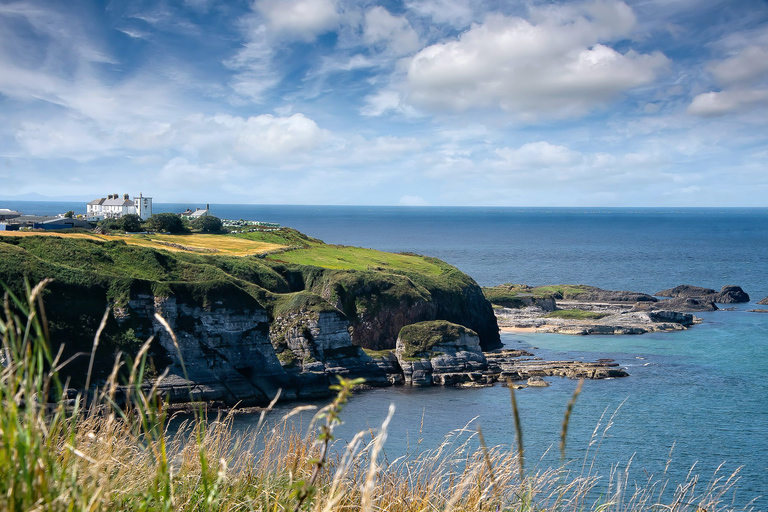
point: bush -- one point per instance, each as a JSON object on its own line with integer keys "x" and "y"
{"x": 169, "y": 222}
{"x": 207, "y": 224}
{"x": 130, "y": 223}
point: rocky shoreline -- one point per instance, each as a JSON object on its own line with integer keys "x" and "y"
{"x": 446, "y": 354}
{"x": 582, "y": 310}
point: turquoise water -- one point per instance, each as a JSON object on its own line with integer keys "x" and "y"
{"x": 701, "y": 394}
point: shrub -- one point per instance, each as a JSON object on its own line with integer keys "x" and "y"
{"x": 169, "y": 222}
{"x": 207, "y": 224}
{"x": 130, "y": 222}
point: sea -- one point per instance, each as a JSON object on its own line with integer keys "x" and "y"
{"x": 696, "y": 401}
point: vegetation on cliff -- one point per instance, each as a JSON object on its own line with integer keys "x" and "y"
{"x": 423, "y": 336}
{"x": 377, "y": 292}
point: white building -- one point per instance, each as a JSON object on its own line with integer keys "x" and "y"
{"x": 114, "y": 207}
{"x": 199, "y": 212}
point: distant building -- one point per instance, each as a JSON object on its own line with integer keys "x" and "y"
{"x": 6, "y": 214}
{"x": 114, "y": 207}
{"x": 199, "y": 212}
{"x": 62, "y": 223}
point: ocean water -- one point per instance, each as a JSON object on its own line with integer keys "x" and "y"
{"x": 698, "y": 398}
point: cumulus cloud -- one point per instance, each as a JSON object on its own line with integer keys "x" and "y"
{"x": 556, "y": 65}
{"x": 303, "y": 19}
{"x": 714, "y": 104}
{"x": 393, "y": 32}
{"x": 748, "y": 66}
{"x": 744, "y": 80}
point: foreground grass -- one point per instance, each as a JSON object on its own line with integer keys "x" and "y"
{"x": 88, "y": 453}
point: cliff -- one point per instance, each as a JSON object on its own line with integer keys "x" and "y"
{"x": 246, "y": 326}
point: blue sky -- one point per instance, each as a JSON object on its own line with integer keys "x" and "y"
{"x": 434, "y": 102}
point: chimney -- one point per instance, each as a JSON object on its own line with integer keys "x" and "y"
{"x": 109, "y": 196}
{"x": 125, "y": 196}
{"x": 207, "y": 207}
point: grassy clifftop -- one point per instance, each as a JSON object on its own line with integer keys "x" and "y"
{"x": 378, "y": 292}
{"x": 517, "y": 295}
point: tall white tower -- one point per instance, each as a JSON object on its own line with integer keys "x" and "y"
{"x": 143, "y": 206}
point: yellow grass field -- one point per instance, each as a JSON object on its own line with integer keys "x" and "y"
{"x": 195, "y": 243}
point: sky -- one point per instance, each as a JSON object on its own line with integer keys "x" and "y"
{"x": 417, "y": 103}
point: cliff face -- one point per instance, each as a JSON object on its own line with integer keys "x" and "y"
{"x": 379, "y": 304}
{"x": 245, "y": 327}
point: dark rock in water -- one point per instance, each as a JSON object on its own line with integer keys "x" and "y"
{"x": 592, "y": 294}
{"x": 687, "y": 304}
{"x": 686, "y": 290}
{"x": 731, "y": 294}
{"x": 757, "y": 310}
{"x": 537, "y": 382}
{"x": 764, "y": 302}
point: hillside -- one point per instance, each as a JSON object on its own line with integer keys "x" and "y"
{"x": 247, "y": 318}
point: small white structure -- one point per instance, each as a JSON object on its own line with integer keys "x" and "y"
{"x": 143, "y": 206}
{"x": 114, "y": 207}
{"x": 199, "y": 212}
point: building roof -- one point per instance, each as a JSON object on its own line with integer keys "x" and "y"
{"x": 118, "y": 202}
{"x": 6, "y": 214}
{"x": 199, "y": 213}
{"x": 98, "y": 201}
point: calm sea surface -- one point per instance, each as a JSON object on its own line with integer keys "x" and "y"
{"x": 701, "y": 394}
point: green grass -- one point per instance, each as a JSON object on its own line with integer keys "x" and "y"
{"x": 339, "y": 257}
{"x": 377, "y": 354}
{"x": 421, "y": 337}
{"x": 575, "y": 314}
{"x": 512, "y": 295}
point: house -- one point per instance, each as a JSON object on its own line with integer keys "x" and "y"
{"x": 113, "y": 207}
{"x": 199, "y": 212}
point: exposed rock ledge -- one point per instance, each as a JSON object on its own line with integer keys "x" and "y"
{"x": 618, "y": 319}
{"x": 580, "y": 309}
{"x": 441, "y": 353}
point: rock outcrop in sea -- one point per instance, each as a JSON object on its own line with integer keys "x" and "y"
{"x": 580, "y": 309}
{"x": 729, "y": 294}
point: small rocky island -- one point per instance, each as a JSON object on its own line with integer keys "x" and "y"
{"x": 581, "y": 309}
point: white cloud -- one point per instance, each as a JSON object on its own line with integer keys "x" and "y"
{"x": 746, "y": 67}
{"x": 393, "y": 32}
{"x": 383, "y": 101}
{"x": 413, "y": 201}
{"x": 742, "y": 77}
{"x": 259, "y": 140}
{"x": 555, "y": 66}
{"x": 713, "y": 104}
{"x": 539, "y": 155}
{"x": 254, "y": 72}
{"x": 302, "y": 19}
